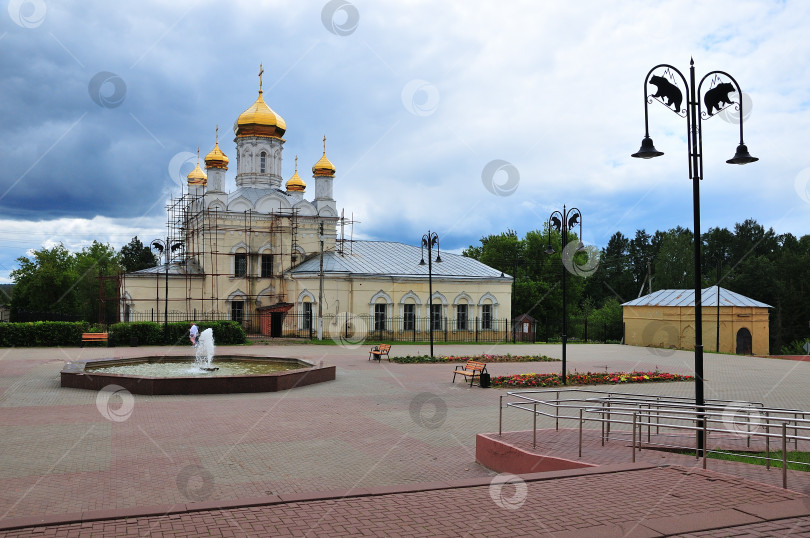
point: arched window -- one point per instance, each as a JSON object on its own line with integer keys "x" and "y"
{"x": 240, "y": 264}
{"x": 306, "y": 300}
{"x": 263, "y": 162}
{"x": 409, "y": 310}
{"x": 240, "y": 260}
{"x": 380, "y": 310}
{"x": 236, "y": 304}
{"x": 488, "y": 306}
{"x": 462, "y": 302}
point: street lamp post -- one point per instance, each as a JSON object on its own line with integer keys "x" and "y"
{"x": 717, "y": 97}
{"x": 429, "y": 240}
{"x": 562, "y": 222}
{"x": 320, "y": 287}
{"x": 164, "y": 247}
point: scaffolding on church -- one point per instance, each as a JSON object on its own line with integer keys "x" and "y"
{"x": 245, "y": 255}
{"x": 260, "y": 247}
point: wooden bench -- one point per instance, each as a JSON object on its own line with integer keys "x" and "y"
{"x": 471, "y": 369}
{"x": 377, "y": 352}
{"x": 94, "y": 337}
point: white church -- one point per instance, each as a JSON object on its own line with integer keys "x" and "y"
{"x": 270, "y": 258}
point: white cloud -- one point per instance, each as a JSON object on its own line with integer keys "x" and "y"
{"x": 553, "y": 88}
{"x": 21, "y": 238}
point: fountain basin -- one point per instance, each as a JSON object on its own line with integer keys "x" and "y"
{"x": 89, "y": 375}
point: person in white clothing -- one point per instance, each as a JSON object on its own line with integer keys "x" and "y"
{"x": 192, "y": 333}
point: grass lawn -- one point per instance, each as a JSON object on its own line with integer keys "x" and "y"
{"x": 758, "y": 458}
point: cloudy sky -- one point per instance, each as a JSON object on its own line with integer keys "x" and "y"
{"x": 468, "y": 118}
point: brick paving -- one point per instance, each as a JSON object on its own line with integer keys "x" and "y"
{"x": 536, "y": 510}
{"x": 378, "y": 425}
{"x": 565, "y": 444}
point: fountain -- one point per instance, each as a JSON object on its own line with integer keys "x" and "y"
{"x": 204, "y": 351}
{"x": 165, "y": 374}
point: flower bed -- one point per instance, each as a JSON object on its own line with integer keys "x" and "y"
{"x": 588, "y": 378}
{"x": 423, "y": 359}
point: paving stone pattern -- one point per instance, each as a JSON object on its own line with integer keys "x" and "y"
{"x": 583, "y": 509}
{"x": 377, "y": 425}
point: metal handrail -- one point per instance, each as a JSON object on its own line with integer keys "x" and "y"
{"x": 673, "y": 413}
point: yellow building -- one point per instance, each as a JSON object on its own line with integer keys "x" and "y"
{"x": 666, "y": 319}
{"x": 254, "y": 255}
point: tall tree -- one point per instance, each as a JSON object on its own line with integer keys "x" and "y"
{"x": 751, "y": 239}
{"x": 136, "y": 256}
{"x": 617, "y": 268}
{"x": 44, "y": 282}
{"x": 56, "y": 281}
{"x": 93, "y": 264}
{"x": 674, "y": 263}
{"x": 718, "y": 244}
{"x": 6, "y": 291}
{"x": 774, "y": 269}
{"x": 641, "y": 259}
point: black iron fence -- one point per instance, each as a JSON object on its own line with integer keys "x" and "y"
{"x": 26, "y": 316}
{"x": 354, "y": 328}
{"x": 579, "y": 329}
{"x": 596, "y": 330}
{"x": 412, "y": 329}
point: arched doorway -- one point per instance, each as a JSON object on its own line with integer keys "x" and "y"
{"x": 688, "y": 337}
{"x": 744, "y": 342}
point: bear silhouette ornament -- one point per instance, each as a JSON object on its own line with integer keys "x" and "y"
{"x": 717, "y": 96}
{"x": 668, "y": 93}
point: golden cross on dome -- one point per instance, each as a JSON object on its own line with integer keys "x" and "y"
{"x": 217, "y": 141}
{"x": 324, "y": 144}
{"x": 296, "y": 164}
{"x": 261, "y": 71}
{"x": 198, "y": 155}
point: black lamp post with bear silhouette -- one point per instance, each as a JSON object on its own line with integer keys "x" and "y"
{"x": 715, "y": 99}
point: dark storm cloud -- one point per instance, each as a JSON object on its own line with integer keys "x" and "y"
{"x": 98, "y": 99}
{"x": 415, "y": 102}
{"x": 90, "y": 118}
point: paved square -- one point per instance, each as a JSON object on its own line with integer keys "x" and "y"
{"x": 376, "y": 425}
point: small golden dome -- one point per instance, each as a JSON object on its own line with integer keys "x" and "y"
{"x": 197, "y": 176}
{"x": 259, "y": 119}
{"x": 324, "y": 167}
{"x": 215, "y": 158}
{"x": 295, "y": 183}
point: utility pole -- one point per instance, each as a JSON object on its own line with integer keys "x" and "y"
{"x": 320, "y": 287}
{"x": 649, "y": 278}
{"x": 717, "y": 345}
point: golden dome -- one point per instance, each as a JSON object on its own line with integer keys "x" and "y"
{"x": 295, "y": 183}
{"x": 259, "y": 119}
{"x": 197, "y": 176}
{"x": 215, "y": 158}
{"x": 324, "y": 167}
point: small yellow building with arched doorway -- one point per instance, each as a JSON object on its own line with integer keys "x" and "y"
{"x": 666, "y": 319}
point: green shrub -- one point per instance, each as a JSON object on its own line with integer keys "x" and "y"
{"x": 150, "y": 333}
{"x": 226, "y": 332}
{"x": 42, "y": 333}
{"x": 64, "y": 333}
{"x": 420, "y": 359}
{"x": 794, "y": 348}
{"x": 147, "y": 333}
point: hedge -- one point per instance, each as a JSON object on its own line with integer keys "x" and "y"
{"x": 42, "y": 333}
{"x": 65, "y": 333}
{"x": 150, "y": 333}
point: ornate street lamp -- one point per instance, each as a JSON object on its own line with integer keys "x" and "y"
{"x": 429, "y": 240}
{"x": 160, "y": 246}
{"x": 716, "y": 99}
{"x": 562, "y": 222}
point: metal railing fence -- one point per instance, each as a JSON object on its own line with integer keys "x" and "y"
{"x": 624, "y": 416}
{"x": 349, "y": 326}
